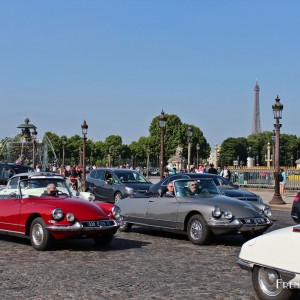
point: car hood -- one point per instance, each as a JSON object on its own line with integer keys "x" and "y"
{"x": 141, "y": 187}
{"x": 239, "y": 209}
{"x": 276, "y": 249}
{"x": 82, "y": 209}
{"x": 241, "y": 194}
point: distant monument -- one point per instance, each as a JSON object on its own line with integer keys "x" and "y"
{"x": 256, "y": 113}
{"x": 177, "y": 161}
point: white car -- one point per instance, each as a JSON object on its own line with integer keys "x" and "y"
{"x": 273, "y": 259}
{"x": 42, "y": 180}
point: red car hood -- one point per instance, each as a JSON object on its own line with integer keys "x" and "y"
{"x": 82, "y": 209}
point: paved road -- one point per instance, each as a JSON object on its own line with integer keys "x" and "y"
{"x": 142, "y": 264}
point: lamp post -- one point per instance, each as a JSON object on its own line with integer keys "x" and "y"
{"x": 34, "y": 135}
{"x": 109, "y": 156}
{"x": 148, "y": 153}
{"x": 63, "y": 142}
{"x": 197, "y": 148}
{"x": 84, "y": 128}
{"x": 189, "y": 135}
{"x": 277, "y": 111}
{"x": 162, "y": 125}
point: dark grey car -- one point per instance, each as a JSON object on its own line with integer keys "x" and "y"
{"x": 199, "y": 215}
{"x": 112, "y": 184}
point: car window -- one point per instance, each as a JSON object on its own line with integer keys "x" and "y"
{"x": 36, "y": 187}
{"x": 13, "y": 184}
{"x": 131, "y": 177}
{"x": 99, "y": 175}
{"x": 92, "y": 174}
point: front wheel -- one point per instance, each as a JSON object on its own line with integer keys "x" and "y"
{"x": 197, "y": 230}
{"x": 39, "y": 236}
{"x": 268, "y": 284}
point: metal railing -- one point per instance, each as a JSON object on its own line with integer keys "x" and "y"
{"x": 260, "y": 177}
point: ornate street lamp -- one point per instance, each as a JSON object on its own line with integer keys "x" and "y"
{"x": 197, "y": 148}
{"x": 63, "y": 142}
{"x": 162, "y": 125}
{"x": 148, "y": 154}
{"x": 189, "y": 135}
{"x": 84, "y": 128}
{"x": 277, "y": 111}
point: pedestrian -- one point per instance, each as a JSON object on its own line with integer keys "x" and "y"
{"x": 282, "y": 181}
{"x": 225, "y": 173}
{"x": 212, "y": 169}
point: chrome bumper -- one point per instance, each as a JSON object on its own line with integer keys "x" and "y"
{"x": 78, "y": 227}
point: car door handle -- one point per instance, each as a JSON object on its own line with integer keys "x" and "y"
{"x": 151, "y": 200}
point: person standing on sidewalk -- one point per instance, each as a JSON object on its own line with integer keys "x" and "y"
{"x": 282, "y": 183}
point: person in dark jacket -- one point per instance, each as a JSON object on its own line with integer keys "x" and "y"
{"x": 212, "y": 169}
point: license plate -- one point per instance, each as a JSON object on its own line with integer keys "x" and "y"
{"x": 95, "y": 224}
{"x": 260, "y": 220}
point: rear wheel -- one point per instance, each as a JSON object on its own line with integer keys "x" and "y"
{"x": 268, "y": 284}
{"x": 197, "y": 230}
{"x": 39, "y": 236}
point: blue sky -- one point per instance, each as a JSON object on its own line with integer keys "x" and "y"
{"x": 117, "y": 64}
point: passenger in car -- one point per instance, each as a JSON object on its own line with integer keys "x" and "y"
{"x": 51, "y": 190}
{"x": 170, "y": 190}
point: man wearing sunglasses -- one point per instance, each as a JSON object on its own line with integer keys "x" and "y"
{"x": 170, "y": 191}
{"x": 193, "y": 188}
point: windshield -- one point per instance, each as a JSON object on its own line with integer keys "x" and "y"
{"x": 132, "y": 177}
{"x": 200, "y": 187}
{"x": 37, "y": 187}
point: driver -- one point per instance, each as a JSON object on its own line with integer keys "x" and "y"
{"x": 193, "y": 188}
{"x": 51, "y": 190}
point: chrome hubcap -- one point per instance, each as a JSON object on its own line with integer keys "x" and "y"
{"x": 268, "y": 281}
{"x": 196, "y": 230}
{"x": 37, "y": 234}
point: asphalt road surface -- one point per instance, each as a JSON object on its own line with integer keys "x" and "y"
{"x": 142, "y": 264}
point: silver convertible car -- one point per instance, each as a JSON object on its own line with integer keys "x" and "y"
{"x": 196, "y": 208}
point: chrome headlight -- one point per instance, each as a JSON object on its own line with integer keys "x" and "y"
{"x": 129, "y": 190}
{"x": 116, "y": 212}
{"x": 70, "y": 217}
{"x": 57, "y": 214}
{"x": 217, "y": 213}
{"x": 228, "y": 215}
{"x": 267, "y": 211}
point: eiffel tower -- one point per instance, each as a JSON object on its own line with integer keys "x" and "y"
{"x": 256, "y": 114}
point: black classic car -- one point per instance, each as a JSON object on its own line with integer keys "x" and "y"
{"x": 7, "y": 170}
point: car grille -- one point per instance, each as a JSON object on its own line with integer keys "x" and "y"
{"x": 253, "y": 221}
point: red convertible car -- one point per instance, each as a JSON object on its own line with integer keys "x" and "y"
{"x": 55, "y": 216}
